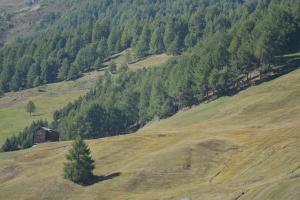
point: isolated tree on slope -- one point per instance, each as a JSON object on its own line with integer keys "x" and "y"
{"x": 30, "y": 107}
{"x": 79, "y": 166}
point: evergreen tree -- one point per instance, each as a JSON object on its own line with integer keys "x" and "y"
{"x": 49, "y": 70}
{"x": 101, "y": 29}
{"x": 32, "y": 74}
{"x": 86, "y": 57}
{"x": 113, "y": 40}
{"x": 1, "y": 92}
{"x": 73, "y": 73}
{"x": 142, "y": 47}
{"x": 112, "y": 68}
{"x": 30, "y": 107}
{"x": 101, "y": 53}
{"x": 5, "y": 77}
{"x": 80, "y": 165}
{"x": 157, "y": 43}
{"x": 15, "y": 83}
{"x": 10, "y": 144}
{"x": 37, "y": 82}
{"x": 125, "y": 39}
{"x": 174, "y": 47}
{"x": 63, "y": 71}
{"x": 169, "y": 32}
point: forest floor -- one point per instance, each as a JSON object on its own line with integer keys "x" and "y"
{"x": 49, "y": 98}
{"x": 237, "y": 148}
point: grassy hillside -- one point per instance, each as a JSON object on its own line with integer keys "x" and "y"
{"x": 240, "y": 147}
{"x": 13, "y": 116}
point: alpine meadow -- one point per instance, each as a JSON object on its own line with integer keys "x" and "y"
{"x": 150, "y": 99}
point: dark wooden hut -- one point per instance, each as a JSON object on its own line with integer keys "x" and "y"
{"x": 44, "y": 134}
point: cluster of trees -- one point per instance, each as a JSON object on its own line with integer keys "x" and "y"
{"x": 216, "y": 65}
{"x": 85, "y": 35}
{"x": 218, "y": 62}
{"x": 24, "y": 139}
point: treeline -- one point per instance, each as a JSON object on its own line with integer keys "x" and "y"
{"x": 216, "y": 65}
{"x": 90, "y": 31}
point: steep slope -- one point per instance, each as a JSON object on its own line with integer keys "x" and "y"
{"x": 241, "y": 147}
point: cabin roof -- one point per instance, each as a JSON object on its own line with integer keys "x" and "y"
{"x": 47, "y": 129}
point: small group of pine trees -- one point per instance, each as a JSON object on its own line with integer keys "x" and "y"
{"x": 23, "y": 140}
{"x": 80, "y": 165}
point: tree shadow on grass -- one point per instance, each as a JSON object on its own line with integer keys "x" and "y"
{"x": 97, "y": 179}
{"x": 36, "y": 115}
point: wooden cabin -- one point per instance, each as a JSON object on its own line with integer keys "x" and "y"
{"x": 44, "y": 134}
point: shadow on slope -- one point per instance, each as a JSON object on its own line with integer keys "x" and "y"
{"x": 97, "y": 179}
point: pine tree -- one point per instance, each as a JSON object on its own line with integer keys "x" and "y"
{"x": 157, "y": 42}
{"x": 112, "y": 68}
{"x": 101, "y": 29}
{"x": 125, "y": 39}
{"x": 73, "y": 73}
{"x": 15, "y": 83}
{"x": 1, "y": 92}
{"x": 37, "y": 82}
{"x": 32, "y": 74}
{"x": 142, "y": 47}
{"x": 63, "y": 71}
{"x": 113, "y": 40}
{"x": 174, "y": 47}
{"x": 11, "y": 144}
{"x": 101, "y": 53}
{"x": 79, "y": 166}
{"x": 30, "y": 107}
{"x": 86, "y": 57}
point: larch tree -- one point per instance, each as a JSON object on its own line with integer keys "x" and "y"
{"x": 80, "y": 165}
{"x": 30, "y": 108}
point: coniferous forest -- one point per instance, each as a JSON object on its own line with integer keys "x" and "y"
{"x": 218, "y": 45}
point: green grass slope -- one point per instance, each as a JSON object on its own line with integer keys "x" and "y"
{"x": 13, "y": 116}
{"x": 237, "y": 148}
